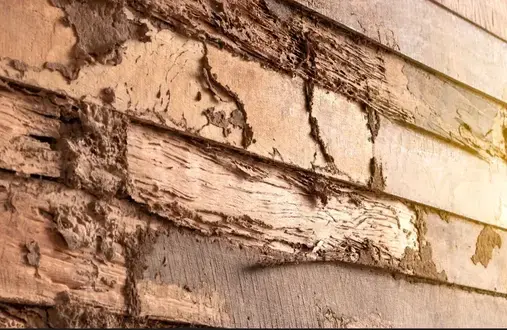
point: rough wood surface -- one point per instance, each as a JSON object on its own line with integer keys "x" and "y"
{"x": 218, "y": 191}
{"x": 206, "y": 280}
{"x": 490, "y": 15}
{"x": 345, "y": 64}
{"x": 27, "y": 135}
{"x": 213, "y": 191}
{"x": 435, "y": 38}
{"x": 414, "y": 166}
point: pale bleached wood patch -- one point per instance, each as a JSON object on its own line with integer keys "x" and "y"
{"x": 491, "y": 15}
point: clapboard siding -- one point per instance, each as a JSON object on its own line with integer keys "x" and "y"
{"x": 209, "y": 280}
{"x": 218, "y": 191}
{"x": 490, "y": 15}
{"x": 435, "y": 37}
{"x": 383, "y": 81}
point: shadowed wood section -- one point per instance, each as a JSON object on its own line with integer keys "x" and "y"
{"x": 491, "y": 15}
{"x": 28, "y": 135}
{"x": 435, "y": 38}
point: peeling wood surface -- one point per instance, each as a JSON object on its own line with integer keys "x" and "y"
{"x": 29, "y": 208}
{"x": 209, "y": 280}
{"x": 364, "y": 73}
{"x": 26, "y": 137}
{"x": 217, "y": 191}
{"x": 490, "y": 15}
{"x": 214, "y": 191}
{"x": 435, "y": 38}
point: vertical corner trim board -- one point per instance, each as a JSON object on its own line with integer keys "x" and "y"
{"x": 435, "y": 37}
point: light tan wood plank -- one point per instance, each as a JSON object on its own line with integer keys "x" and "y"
{"x": 383, "y": 81}
{"x": 430, "y": 172}
{"x": 491, "y": 15}
{"x": 455, "y": 243}
{"x": 215, "y": 191}
{"x": 435, "y": 38}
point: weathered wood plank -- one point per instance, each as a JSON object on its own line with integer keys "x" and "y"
{"x": 430, "y": 172}
{"x": 279, "y": 118}
{"x": 210, "y": 280}
{"x": 215, "y": 191}
{"x": 361, "y": 72}
{"x": 57, "y": 241}
{"x": 435, "y": 38}
{"x": 490, "y": 15}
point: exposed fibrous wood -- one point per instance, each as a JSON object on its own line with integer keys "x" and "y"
{"x": 277, "y": 112}
{"x": 217, "y": 191}
{"x": 205, "y": 280}
{"x": 490, "y": 15}
{"x": 345, "y": 64}
{"x": 434, "y": 38}
{"x": 27, "y": 138}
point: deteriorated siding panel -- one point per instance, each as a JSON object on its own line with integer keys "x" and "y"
{"x": 435, "y": 38}
{"x": 240, "y": 164}
{"x": 333, "y": 136}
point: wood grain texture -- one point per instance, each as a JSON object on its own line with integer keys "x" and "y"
{"x": 27, "y": 135}
{"x": 435, "y": 38}
{"x": 27, "y": 214}
{"x": 345, "y": 65}
{"x": 490, "y": 15}
{"x": 308, "y": 295}
{"x": 208, "y": 280}
{"x": 216, "y": 191}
